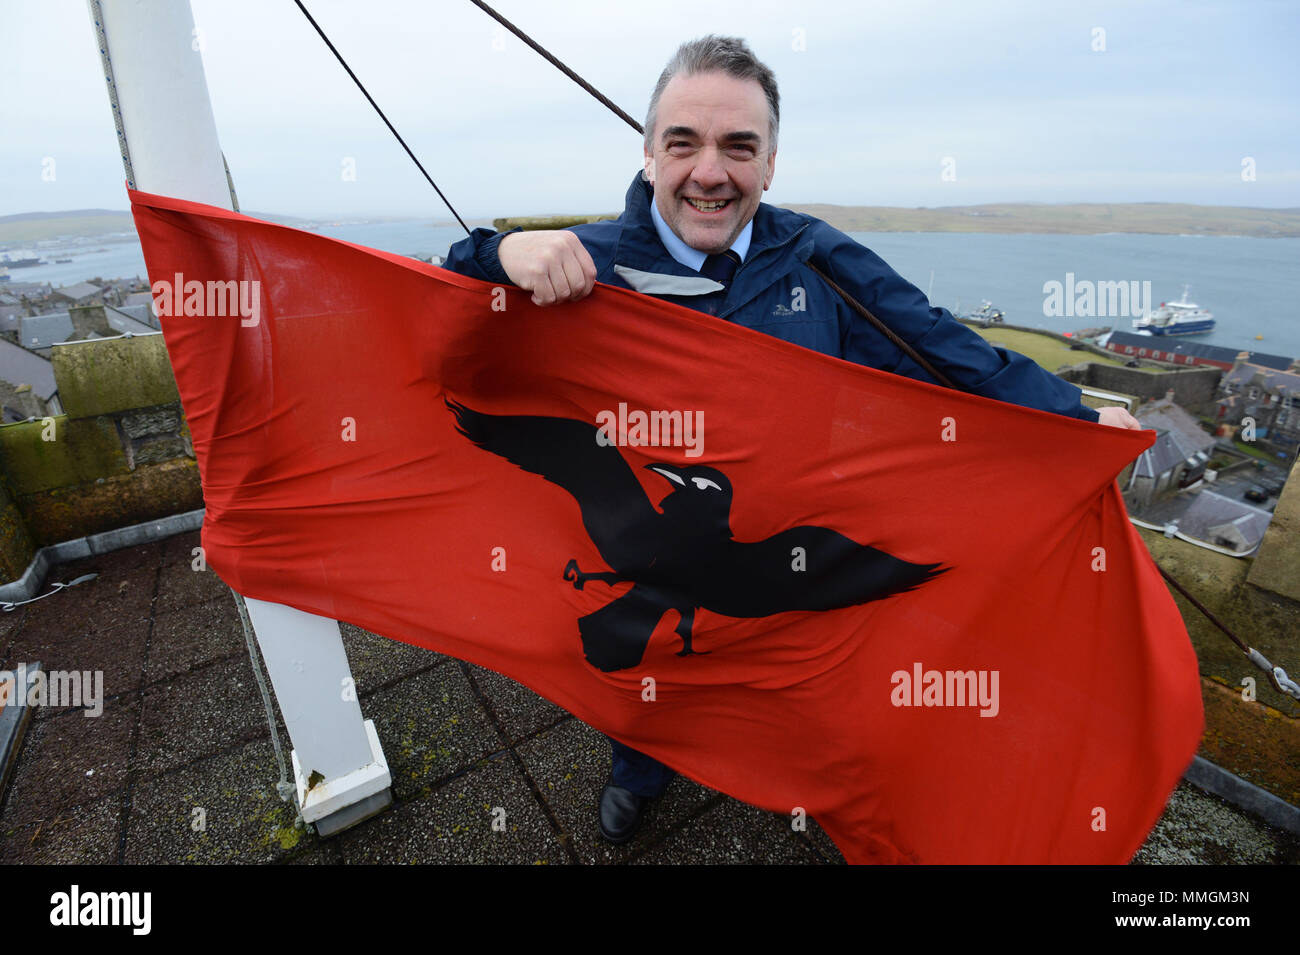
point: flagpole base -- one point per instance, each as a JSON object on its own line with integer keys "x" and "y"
{"x": 334, "y": 805}
{"x": 354, "y": 814}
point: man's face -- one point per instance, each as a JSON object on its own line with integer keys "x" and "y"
{"x": 711, "y": 158}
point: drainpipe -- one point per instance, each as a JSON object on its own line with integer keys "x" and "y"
{"x": 153, "y": 67}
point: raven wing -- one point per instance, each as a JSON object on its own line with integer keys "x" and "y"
{"x": 804, "y": 568}
{"x": 615, "y": 510}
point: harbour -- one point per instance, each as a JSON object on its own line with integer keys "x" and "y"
{"x": 1246, "y": 282}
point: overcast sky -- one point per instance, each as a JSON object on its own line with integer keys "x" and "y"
{"x": 875, "y": 97}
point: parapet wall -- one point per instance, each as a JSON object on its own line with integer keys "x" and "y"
{"x": 1193, "y": 388}
{"x": 120, "y": 455}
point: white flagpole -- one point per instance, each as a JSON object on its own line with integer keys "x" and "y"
{"x": 153, "y": 67}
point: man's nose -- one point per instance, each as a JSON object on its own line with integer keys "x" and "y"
{"x": 709, "y": 170}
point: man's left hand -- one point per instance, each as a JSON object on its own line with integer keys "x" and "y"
{"x": 1118, "y": 418}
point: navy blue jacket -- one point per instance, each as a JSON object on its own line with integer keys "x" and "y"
{"x": 774, "y": 291}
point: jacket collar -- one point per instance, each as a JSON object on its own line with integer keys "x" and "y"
{"x": 640, "y": 247}
{"x": 774, "y": 245}
{"x": 683, "y": 253}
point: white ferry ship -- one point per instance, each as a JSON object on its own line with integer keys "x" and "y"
{"x": 1175, "y": 318}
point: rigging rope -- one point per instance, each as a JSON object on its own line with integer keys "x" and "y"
{"x": 1276, "y": 675}
{"x": 284, "y": 787}
{"x": 390, "y": 126}
{"x": 558, "y": 65}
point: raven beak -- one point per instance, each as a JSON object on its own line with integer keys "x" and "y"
{"x": 665, "y": 472}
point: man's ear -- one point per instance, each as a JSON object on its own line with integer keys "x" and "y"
{"x": 649, "y": 170}
{"x": 771, "y": 170}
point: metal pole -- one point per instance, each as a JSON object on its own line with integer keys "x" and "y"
{"x": 153, "y": 67}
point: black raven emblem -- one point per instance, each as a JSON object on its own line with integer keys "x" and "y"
{"x": 682, "y": 556}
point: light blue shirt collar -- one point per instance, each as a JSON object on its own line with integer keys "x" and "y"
{"x": 683, "y": 253}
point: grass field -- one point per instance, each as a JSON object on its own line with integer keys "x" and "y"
{"x": 1159, "y": 218}
{"x": 1048, "y": 352}
{"x": 1245, "y": 447}
{"x": 23, "y": 231}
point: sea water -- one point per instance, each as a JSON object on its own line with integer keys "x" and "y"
{"x": 1251, "y": 285}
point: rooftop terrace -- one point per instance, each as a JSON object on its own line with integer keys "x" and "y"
{"x": 183, "y": 729}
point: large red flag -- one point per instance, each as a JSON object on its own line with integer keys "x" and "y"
{"x": 918, "y": 615}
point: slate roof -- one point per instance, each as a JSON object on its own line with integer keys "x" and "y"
{"x": 18, "y": 366}
{"x": 130, "y": 319}
{"x": 30, "y": 289}
{"x": 1165, "y": 415}
{"x": 42, "y": 331}
{"x": 1195, "y": 349}
{"x": 141, "y": 317}
{"x": 1244, "y": 375}
{"x": 1163, "y": 456}
{"x": 1178, "y": 438}
{"x": 1213, "y": 515}
{"x": 78, "y": 292}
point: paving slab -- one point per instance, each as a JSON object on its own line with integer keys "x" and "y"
{"x": 179, "y": 584}
{"x": 107, "y": 662}
{"x": 88, "y": 834}
{"x": 327, "y": 853}
{"x": 520, "y": 711}
{"x": 376, "y": 661}
{"x": 455, "y": 824}
{"x": 570, "y": 765}
{"x": 199, "y": 714}
{"x": 431, "y": 727}
{"x": 10, "y": 621}
{"x": 195, "y": 635}
{"x": 70, "y": 760}
{"x": 240, "y": 816}
{"x": 1198, "y": 828}
{"x": 733, "y": 833}
{"x": 123, "y": 591}
{"x": 823, "y": 844}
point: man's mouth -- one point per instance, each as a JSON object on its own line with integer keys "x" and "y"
{"x": 708, "y": 205}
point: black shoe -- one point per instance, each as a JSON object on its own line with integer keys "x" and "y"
{"x": 620, "y": 813}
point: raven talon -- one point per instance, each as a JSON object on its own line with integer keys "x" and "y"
{"x": 572, "y": 573}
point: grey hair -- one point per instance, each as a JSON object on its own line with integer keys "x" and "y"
{"x": 717, "y": 54}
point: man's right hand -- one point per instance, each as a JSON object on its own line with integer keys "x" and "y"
{"x": 553, "y": 265}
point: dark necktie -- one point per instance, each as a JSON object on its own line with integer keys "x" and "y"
{"x": 721, "y": 266}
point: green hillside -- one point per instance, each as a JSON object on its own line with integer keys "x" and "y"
{"x": 1161, "y": 218}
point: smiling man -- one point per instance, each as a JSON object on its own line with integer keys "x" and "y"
{"x": 694, "y": 231}
{"x": 710, "y": 167}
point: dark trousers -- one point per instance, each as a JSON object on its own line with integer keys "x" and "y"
{"x": 637, "y": 772}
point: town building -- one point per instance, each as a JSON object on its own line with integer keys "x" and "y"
{"x": 1180, "y": 352}
{"x": 1177, "y": 459}
{"x": 1263, "y": 402}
